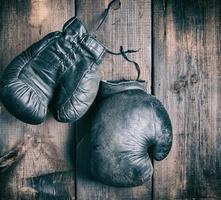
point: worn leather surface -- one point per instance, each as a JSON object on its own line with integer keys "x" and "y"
{"x": 129, "y": 127}
{"x": 61, "y": 70}
{"x": 53, "y": 186}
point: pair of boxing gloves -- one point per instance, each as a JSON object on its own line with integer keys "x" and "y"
{"x": 60, "y": 72}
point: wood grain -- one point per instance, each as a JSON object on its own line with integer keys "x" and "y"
{"x": 187, "y": 79}
{"x": 46, "y": 147}
{"x": 128, "y": 26}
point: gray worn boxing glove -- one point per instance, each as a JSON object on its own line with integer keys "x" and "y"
{"x": 60, "y": 69}
{"x": 129, "y": 127}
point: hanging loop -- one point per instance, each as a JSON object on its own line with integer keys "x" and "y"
{"x": 106, "y": 12}
{"x": 122, "y": 52}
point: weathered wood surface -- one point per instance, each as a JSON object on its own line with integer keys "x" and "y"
{"x": 130, "y": 26}
{"x": 44, "y": 148}
{"x": 187, "y": 78}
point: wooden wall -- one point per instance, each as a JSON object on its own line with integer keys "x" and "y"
{"x": 45, "y": 148}
{"x": 187, "y": 78}
{"x": 179, "y": 56}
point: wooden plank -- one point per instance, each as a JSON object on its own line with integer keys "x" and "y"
{"x": 187, "y": 79}
{"x": 45, "y": 148}
{"x": 128, "y": 26}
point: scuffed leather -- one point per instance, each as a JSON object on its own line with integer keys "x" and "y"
{"x": 52, "y": 186}
{"x": 129, "y": 127}
{"x": 62, "y": 68}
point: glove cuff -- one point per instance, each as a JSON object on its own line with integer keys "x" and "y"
{"x": 76, "y": 31}
{"x": 94, "y": 47}
{"x": 112, "y": 87}
{"x": 74, "y": 27}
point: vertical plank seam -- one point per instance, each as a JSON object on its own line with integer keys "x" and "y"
{"x": 75, "y": 162}
{"x": 152, "y": 89}
{"x": 75, "y": 6}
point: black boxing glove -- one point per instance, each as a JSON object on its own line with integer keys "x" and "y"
{"x": 62, "y": 62}
{"x": 129, "y": 127}
{"x": 79, "y": 84}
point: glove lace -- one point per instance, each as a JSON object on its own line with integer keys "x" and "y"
{"x": 121, "y": 52}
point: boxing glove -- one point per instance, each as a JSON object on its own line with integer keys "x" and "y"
{"x": 60, "y": 70}
{"x": 129, "y": 128}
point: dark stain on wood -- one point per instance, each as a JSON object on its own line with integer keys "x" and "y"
{"x": 180, "y": 84}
